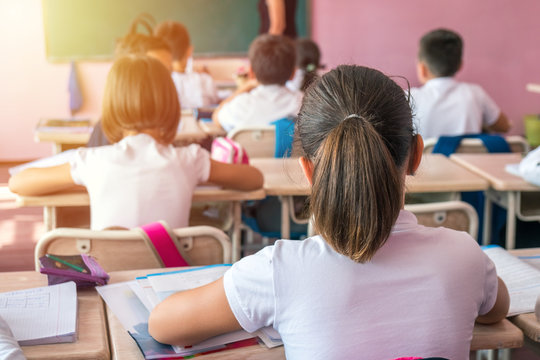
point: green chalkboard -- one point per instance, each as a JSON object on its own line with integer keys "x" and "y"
{"x": 88, "y": 29}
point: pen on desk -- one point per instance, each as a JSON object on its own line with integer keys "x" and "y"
{"x": 78, "y": 268}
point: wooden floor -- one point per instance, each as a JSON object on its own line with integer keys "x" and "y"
{"x": 20, "y": 228}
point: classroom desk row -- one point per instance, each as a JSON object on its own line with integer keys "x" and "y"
{"x": 521, "y": 199}
{"x": 101, "y": 336}
{"x": 65, "y": 137}
{"x": 284, "y": 178}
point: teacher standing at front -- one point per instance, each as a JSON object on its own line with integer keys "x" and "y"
{"x": 278, "y": 17}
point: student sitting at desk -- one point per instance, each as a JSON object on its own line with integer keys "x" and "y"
{"x": 141, "y": 178}
{"x": 443, "y": 105}
{"x": 195, "y": 89}
{"x": 308, "y": 62}
{"x": 135, "y": 42}
{"x": 265, "y": 98}
{"x": 374, "y": 284}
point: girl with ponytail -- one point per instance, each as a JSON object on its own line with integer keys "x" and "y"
{"x": 374, "y": 284}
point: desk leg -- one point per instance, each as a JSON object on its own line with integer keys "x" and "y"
{"x": 486, "y": 235}
{"x": 511, "y": 221}
{"x": 236, "y": 232}
{"x": 49, "y": 217}
{"x": 285, "y": 220}
{"x": 504, "y": 354}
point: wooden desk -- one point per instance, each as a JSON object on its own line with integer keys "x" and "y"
{"x": 527, "y": 322}
{"x": 92, "y": 342}
{"x": 284, "y": 178}
{"x": 506, "y": 189}
{"x": 78, "y": 199}
{"x": 502, "y": 335}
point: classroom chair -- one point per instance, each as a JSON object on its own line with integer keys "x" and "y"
{"x": 257, "y": 141}
{"x": 475, "y": 145}
{"x": 457, "y": 215}
{"x": 131, "y": 249}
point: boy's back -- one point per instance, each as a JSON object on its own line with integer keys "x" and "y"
{"x": 444, "y": 106}
{"x": 272, "y": 63}
{"x": 261, "y": 106}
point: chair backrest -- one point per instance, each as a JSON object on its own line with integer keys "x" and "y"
{"x": 457, "y": 215}
{"x": 129, "y": 249}
{"x": 258, "y": 141}
{"x": 517, "y": 144}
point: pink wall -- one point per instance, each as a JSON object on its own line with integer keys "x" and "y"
{"x": 501, "y": 41}
{"x": 501, "y": 54}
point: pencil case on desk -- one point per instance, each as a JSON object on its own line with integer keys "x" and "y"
{"x": 82, "y": 269}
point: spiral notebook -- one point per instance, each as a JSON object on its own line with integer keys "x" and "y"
{"x": 43, "y": 315}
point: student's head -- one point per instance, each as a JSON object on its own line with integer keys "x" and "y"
{"x": 272, "y": 59}
{"x": 440, "y": 51}
{"x": 139, "y": 43}
{"x": 176, "y": 36}
{"x": 140, "y": 97}
{"x": 355, "y": 130}
{"x": 308, "y": 58}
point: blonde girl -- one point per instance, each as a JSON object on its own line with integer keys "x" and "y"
{"x": 141, "y": 177}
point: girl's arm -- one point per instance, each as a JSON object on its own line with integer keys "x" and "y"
{"x": 235, "y": 176}
{"x": 41, "y": 181}
{"x": 189, "y": 317}
{"x": 500, "y": 309}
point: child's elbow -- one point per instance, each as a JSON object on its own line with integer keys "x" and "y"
{"x": 159, "y": 328}
{"x": 15, "y": 185}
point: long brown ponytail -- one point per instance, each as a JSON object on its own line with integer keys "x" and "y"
{"x": 355, "y": 125}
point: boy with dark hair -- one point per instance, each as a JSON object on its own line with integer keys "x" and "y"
{"x": 443, "y": 105}
{"x": 264, "y": 98}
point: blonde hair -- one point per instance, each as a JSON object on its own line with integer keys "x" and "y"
{"x": 176, "y": 36}
{"x": 140, "y": 96}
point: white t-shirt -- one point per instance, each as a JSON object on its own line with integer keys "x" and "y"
{"x": 418, "y": 296}
{"x": 9, "y": 347}
{"x": 444, "y": 106}
{"x": 195, "y": 90}
{"x": 260, "y": 106}
{"x": 137, "y": 181}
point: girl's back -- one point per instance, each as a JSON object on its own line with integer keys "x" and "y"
{"x": 138, "y": 180}
{"x": 419, "y": 295}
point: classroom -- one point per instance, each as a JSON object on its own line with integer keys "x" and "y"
{"x": 230, "y": 201}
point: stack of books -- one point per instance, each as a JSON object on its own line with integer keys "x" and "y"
{"x": 132, "y": 302}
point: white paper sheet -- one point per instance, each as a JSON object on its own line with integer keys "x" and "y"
{"x": 521, "y": 279}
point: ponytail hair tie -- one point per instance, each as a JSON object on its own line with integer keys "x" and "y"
{"x": 353, "y": 116}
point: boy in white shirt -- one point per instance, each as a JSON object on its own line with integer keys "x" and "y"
{"x": 195, "y": 89}
{"x": 443, "y": 105}
{"x": 264, "y": 98}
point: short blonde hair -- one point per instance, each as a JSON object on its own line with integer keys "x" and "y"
{"x": 140, "y": 96}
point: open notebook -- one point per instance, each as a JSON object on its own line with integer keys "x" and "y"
{"x": 43, "y": 315}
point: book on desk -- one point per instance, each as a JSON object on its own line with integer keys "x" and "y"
{"x": 43, "y": 315}
{"x": 522, "y": 278}
{"x": 133, "y": 301}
